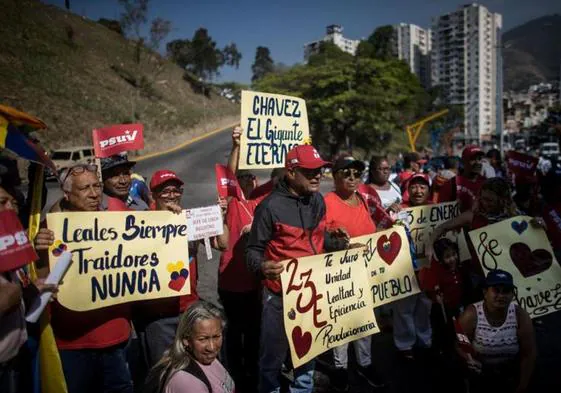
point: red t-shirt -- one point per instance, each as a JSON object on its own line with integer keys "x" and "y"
{"x": 233, "y": 274}
{"x": 449, "y": 281}
{"x": 467, "y": 191}
{"x": 116, "y": 205}
{"x": 355, "y": 220}
{"x": 262, "y": 191}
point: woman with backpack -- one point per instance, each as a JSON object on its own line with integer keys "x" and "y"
{"x": 191, "y": 364}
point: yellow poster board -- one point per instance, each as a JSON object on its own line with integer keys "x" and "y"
{"x": 272, "y": 125}
{"x": 326, "y": 303}
{"x": 389, "y": 268}
{"x": 422, "y": 221}
{"x": 119, "y": 257}
{"x": 524, "y": 251}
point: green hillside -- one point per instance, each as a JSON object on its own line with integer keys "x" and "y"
{"x": 75, "y": 74}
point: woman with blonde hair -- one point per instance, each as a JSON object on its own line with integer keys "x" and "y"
{"x": 191, "y": 364}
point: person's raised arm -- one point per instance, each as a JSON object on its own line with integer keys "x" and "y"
{"x": 527, "y": 342}
{"x": 235, "y": 152}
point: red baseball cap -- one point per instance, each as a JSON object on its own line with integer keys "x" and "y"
{"x": 419, "y": 176}
{"x": 163, "y": 176}
{"x": 304, "y": 156}
{"x": 470, "y": 152}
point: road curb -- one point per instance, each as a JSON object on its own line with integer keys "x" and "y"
{"x": 184, "y": 144}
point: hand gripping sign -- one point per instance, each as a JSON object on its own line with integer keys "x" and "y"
{"x": 523, "y": 250}
{"x": 119, "y": 257}
{"x": 272, "y": 125}
{"x": 116, "y": 139}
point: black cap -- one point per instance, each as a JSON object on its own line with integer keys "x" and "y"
{"x": 499, "y": 277}
{"x": 116, "y": 160}
{"x": 348, "y": 162}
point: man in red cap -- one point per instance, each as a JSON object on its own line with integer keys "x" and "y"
{"x": 465, "y": 187}
{"x": 289, "y": 223}
{"x": 156, "y": 320}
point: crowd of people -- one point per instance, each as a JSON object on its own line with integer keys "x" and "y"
{"x": 190, "y": 345}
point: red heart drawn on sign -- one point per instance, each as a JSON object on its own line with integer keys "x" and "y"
{"x": 302, "y": 342}
{"x": 177, "y": 284}
{"x": 529, "y": 262}
{"x": 389, "y": 248}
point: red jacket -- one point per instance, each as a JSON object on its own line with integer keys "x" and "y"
{"x": 286, "y": 226}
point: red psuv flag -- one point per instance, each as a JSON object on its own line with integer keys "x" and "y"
{"x": 463, "y": 339}
{"x": 15, "y": 249}
{"x": 227, "y": 183}
{"x": 522, "y": 166}
{"x": 112, "y": 140}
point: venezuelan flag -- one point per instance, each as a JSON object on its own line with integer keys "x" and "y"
{"x": 13, "y": 128}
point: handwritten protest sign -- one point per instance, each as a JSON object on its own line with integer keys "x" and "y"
{"x": 204, "y": 222}
{"x": 388, "y": 265}
{"x": 522, "y": 250}
{"x": 119, "y": 257}
{"x": 272, "y": 125}
{"x": 15, "y": 249}
{"x": 522, "y": 166}
{"x": 326, "y": 303}
{"x": 112, "y": 140}
{"x": 422, "y": 220}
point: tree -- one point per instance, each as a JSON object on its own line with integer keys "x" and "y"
{"x": 112, "y": 24}
{"x": 67, "y": 4}
{"x": 382, "y": 42}
{"x": 201, "y": 56}
{"x": 263, "y": 63}
{"x": 133, "y": 20}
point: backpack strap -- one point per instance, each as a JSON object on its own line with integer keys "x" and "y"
{"x": 195, "y": 370}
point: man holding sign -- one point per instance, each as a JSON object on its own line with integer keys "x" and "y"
{"x": 289, "y": 223}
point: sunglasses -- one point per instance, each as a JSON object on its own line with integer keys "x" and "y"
{"x": 78, "y": 170}
{"x": 311, "y": 173}
{"x": 347, "y": 173}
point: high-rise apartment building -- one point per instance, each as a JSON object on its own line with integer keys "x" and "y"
{"x": 466, "y": 64}
{"x": 334, "y": 35}
{"x": 413, "y": 45}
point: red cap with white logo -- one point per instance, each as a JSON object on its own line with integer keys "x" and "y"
{"x": 163, "y": 176}
{"x": 304, "y": 156}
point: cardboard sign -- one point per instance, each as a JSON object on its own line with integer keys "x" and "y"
{"x": 112, "y": 140}
{"x": 422, "y": 220}
{"x": 326, "y": 303}
{"x": 522, "y": 250}
{"x": 272, "y": 125}
{"x": 521, "y": 165}
{"x": 119, "y": 257}
{"x": 388, "y": 265}
{"x": 227, "y": 183}
{"x": 204, "y": 222}
{"x": 15, "y": 249}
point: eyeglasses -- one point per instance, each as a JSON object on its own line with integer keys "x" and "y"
{"x": 168, "y": 192}
{"x": 383, "y": 169}
{"x": 78, "y": 170}
{"x": 347, "y": 173}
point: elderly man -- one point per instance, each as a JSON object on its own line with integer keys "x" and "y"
{"x": 289, "y": 223}
{"x": 92, "y": 343}
{"x": 116, "y": 173}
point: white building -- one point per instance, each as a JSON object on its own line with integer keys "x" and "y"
{"x": 334, "y": 35}
{"x": 465, "y": 59}
{"x": 413, "y": 45}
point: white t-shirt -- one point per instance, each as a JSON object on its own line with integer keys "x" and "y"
{"x": 391, "y": 196}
